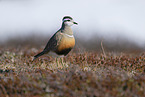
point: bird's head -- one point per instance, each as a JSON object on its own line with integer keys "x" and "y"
{"x": 68, "y": 21}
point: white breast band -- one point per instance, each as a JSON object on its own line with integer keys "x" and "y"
{"x": 69, "y": 35}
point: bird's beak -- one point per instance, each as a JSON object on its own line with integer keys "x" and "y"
{"x": 76, "y": 23}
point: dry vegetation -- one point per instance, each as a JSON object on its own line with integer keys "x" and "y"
{"x": 82, "y": 74}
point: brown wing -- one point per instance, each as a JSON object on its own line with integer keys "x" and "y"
{"x": 51, "y": 45}
{"x": 53, "y": 42}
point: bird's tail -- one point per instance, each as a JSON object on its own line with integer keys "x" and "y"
{"x": 38, "y": 55}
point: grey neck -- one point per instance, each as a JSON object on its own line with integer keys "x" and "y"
{"x": 66, "y": 29}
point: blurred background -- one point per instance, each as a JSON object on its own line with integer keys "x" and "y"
{"x": 119, "y": 24}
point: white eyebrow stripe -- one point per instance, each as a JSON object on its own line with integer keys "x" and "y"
{"x": 69, "y": 35}
{"x": 66, "y": 19}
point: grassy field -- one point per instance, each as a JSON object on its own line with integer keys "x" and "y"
{"x": 83, "y": 73}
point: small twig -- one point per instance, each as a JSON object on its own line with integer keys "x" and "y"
{"x": 103, "y": 48}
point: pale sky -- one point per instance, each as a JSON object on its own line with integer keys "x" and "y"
{"x": 108, "y": 18}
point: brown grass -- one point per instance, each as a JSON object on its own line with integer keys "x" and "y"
{"x": 82, "y": 74}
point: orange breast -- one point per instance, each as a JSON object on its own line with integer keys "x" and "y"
{"x": 66, "y": 42}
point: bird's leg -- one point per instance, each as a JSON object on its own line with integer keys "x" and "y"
{"x": 62, "y": 61}
{"x": 57, "y": 61}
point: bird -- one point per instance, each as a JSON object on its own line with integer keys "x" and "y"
{"x": 62, "y": 42}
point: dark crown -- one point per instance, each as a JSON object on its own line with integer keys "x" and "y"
{"x": 67, "y": 17}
